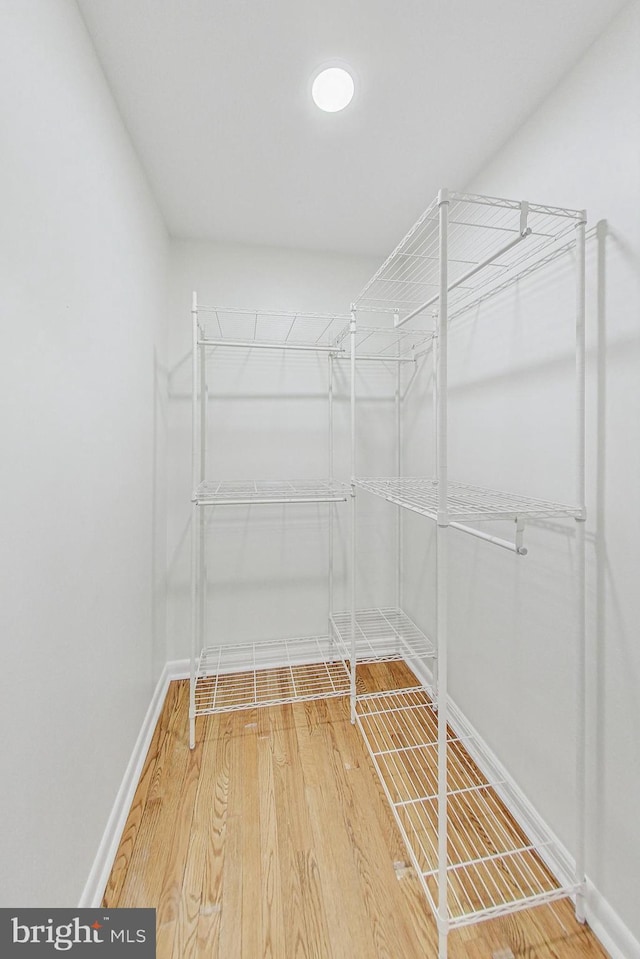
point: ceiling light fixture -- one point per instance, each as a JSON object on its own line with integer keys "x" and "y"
{"x": 332, "y": 89}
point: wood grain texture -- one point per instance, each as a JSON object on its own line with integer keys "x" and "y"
{"x": 142, "y": 793}
{"x": 273, "y": 840}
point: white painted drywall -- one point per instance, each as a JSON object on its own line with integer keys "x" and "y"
{"x": 268, "y": 418}
{"x": 82, "y": 359}
{"x": 512, "y": 661}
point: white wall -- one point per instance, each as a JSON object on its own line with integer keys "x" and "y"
{"x": 268, "y": 416}
{"x": 82, "y": 357}
{"x": 511, "y": 420}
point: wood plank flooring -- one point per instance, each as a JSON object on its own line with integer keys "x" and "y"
{"x": 272, "y": 839}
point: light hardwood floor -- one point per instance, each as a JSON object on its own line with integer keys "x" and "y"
{"x": 272, "y": 839}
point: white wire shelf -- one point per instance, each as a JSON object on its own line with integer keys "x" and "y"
{"x": 378, "y": 343}
{"x": 492, "y": 867}
{"x": 271, "y": 673}
{"x": 256, "y": 492}
{"x": 383, "y": 634}
{"x": 263, "y": 329}
{"x": 464, "y": 502}
{"x": 479, "y": 227}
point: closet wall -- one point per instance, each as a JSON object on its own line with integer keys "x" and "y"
{"x": 82, "y": 420}
{"x": 512, "y": 645}
{"x": 268, "y": 420}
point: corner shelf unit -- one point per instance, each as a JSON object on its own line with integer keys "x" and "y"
{"x": 478, "y": 848}
{"x": 451, "y": 803}
{"x": 229, "y": 676}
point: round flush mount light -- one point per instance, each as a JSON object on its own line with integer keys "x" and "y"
{"x": 332, "y": 89}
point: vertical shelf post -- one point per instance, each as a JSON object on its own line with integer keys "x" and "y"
{"x": 330, "y": 506}
{"x": 441, "y": 573}
{"x": 580, "y": 574}
{"x": 434, "y": 380}
{"x": 352, "y": 345}
{"x": 436, "y": 474}
{"x": 398, "y": 412}
{"x": 194, "y": 522}
{"x": 202, "y": 569}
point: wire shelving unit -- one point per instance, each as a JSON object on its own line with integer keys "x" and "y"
{"x": 471, "y": 853}
{"x": 281, "y": 671}
{"x": 268, "y": 330}
{"x": 376, "y": 343}
{"x": 488, "y": 239}
{"x": 262, "y": 492}
{"x": 230, "y": 676}
{"x": 492, "y": 867}
{"x": 473, "y": 859}
{"x": 381, "y": 635}
{"x": 227, "y": 676}
{"x": 464, "y": 502}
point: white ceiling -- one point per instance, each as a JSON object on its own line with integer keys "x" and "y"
{"x": 216, "y": 97}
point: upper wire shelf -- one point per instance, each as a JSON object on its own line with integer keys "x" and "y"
{"x": 464, "y": 502}
{"x": 479, "y": 227}
{"x": 268, "y": 492}
{"x": 264, "y": 329}
{"x": 378, "y": 343}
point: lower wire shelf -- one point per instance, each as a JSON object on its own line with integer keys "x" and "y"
{"x": 384, "y": 633}
{"x": 493, "y": 868}
{"x": 269, "y": 673}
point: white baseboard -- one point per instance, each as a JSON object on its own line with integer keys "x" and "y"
{"x": 99, "y": 876}
{"x": 178, "y": 669}
{"x": 607, "y": 925}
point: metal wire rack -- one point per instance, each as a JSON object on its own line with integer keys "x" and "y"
{"x": 227, "y": 677}
{"x": 464, "y": 502}
{"x": 255, "y": 492}
{"x": 263, "y": 329}
{"x": 473, "y": 859}
{"x": 492, "y": 867}
{"x": 272, "y": 673}
{"x": 385, "y": 344}
{"x": 382, "y": 634}
{"x": 489, "y": 237}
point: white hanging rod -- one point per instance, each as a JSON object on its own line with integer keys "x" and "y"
{"x": 380, "y": 359}
{"x": 496, "y": 540}
{"x": 527, "y": 270}
{"x": 476, "y": 269}
{"x": 253, "y": 501}
{"x": 258, "y": 345}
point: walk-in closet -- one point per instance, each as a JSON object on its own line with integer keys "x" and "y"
{"x": 319, "y": 349}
